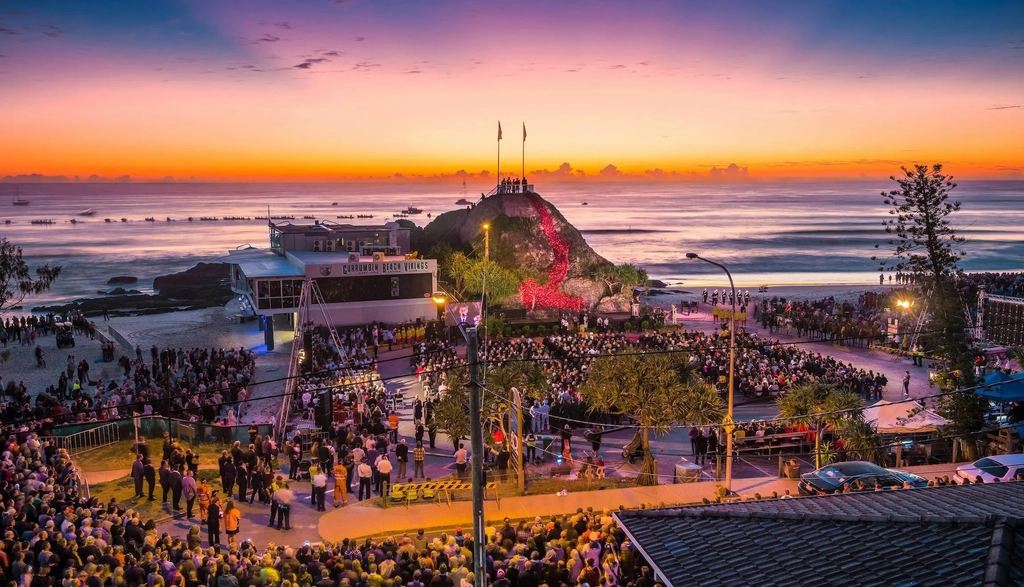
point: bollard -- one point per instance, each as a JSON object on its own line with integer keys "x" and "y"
{"x": 781, "y": 467}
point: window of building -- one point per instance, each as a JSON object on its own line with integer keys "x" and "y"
{"x": 367, "y": 288}
{"x": 276, "y": 294}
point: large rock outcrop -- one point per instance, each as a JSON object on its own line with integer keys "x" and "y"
{"x": 526, "y": 232}
{"x": 203, "y": 286}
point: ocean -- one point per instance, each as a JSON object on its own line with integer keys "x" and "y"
{"x": 797, "y": 233}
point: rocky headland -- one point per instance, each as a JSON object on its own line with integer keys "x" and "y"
{"x": 204, "y": 286}
{"x": 528, "y": 232}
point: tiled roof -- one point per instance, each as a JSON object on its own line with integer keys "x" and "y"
{"x": 955, "y": 535}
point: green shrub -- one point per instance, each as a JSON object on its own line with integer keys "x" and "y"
{"x": 542, "y": 330}
{"x": 627, "y": 326}
{"x": 645, "y": 325}
{"x": 527, "y": 330}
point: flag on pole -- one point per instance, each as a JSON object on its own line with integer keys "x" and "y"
{"x": 524, "y": 132}
{"x": 499, "y": 130}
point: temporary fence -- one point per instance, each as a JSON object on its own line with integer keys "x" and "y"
{"x": 78, "y": 438}
{"x": 1003, "y": 319}
{"x": 82, "y": 440}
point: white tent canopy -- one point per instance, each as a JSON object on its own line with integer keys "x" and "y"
{"x": 896, "y": 418}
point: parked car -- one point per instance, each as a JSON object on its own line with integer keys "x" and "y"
{"x": 65, "y": 335}
{"x": 832, "y": 478}
{"x": 1001, "y": 467}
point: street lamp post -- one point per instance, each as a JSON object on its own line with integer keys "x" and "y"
{"x": 478, "y": 480}
{"x": 487, "y": 241}
{"x": 732, "y": 370}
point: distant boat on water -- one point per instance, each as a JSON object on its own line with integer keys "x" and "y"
{"x": 585, "y": 204}
{"x": 17, "y": 201}
{"x": 463, "y": 202}
{"x": 411, "y": 210}
{"x": 87, "y": 212}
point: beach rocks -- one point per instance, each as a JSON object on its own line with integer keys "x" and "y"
{"x": 125, "y": 279}
{"x": 205, "y": 279}
{"x": 613, "y": 304}
{"x": 119, "y": 291}
{"x": 590, "y": 291}
{"x": 204, "y": 286}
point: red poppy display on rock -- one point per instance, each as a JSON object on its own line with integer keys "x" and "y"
{"x": 535, "y": 295}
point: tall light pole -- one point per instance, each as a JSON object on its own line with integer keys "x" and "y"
{"x": 732, "y": 370}
{"x": 487, "y": 241}
{"x": 477, "y": 445}
{"x": 476, "y": 437}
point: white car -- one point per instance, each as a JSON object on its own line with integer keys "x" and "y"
{"x": 1001, "y": 467}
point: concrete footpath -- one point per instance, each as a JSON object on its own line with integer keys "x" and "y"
{"x": 362, "y": 519}
{"x": 359, "y": 520}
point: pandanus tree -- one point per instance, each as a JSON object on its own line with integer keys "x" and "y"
{"x": 818, "y": 406}
{"x": 646, "y": 388}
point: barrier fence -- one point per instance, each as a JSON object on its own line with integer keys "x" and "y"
{"x": 78, "y": 438}
{"x": 88, "y": 439}
{"x": 1003, "y": 319}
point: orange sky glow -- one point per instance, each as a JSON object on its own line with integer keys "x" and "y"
{"x": 273, "y": 92}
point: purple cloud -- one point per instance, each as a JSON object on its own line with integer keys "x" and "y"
{"x": 310, "y": 63}
{"x": 267, "y": 38}
{"x": 564, "y": 170}
{"x": 733, "y": 171}
{"x": 610, "y": 171}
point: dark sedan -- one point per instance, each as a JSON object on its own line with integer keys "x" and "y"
{"x": 831, "y": 479}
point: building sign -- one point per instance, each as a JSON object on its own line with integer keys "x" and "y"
{"x": 379, "y": 268}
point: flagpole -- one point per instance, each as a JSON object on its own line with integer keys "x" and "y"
{"x": 522, "y": 176}
{"x": 499, "y": 153}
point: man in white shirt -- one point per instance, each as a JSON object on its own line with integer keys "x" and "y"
{"x": 365, "y": 473}
{"x": 461, "y": 457}
{"x": 384, "y": 468}
{"x": 319, "y": 490}
{"x": 284, "y": 496}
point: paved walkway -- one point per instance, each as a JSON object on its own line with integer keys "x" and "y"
{"x": 361, "y": 520}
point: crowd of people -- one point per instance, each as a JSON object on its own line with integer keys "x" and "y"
{"x": 860, "y": 324}
{"x": 202, "y": 385}
{"x": 55, "y": 537}
{"x": 25, "y": 329}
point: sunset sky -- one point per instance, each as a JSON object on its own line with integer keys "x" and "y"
{"x": 221, "y": 89}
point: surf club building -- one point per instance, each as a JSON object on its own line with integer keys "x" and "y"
{"x": 362, "y": 274}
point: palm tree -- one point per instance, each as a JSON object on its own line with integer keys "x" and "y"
{"x": 647, "y": 389}
{"x": 862, "y": 441}
{"x": 452, "y": 413}
{"x": 819, "y": 406}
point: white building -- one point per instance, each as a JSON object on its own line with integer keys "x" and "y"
{"x": 361, "y": 271}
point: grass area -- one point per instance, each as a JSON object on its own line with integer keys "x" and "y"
{"x": 118, "y": 456}
{"x": 123, "y": 492}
